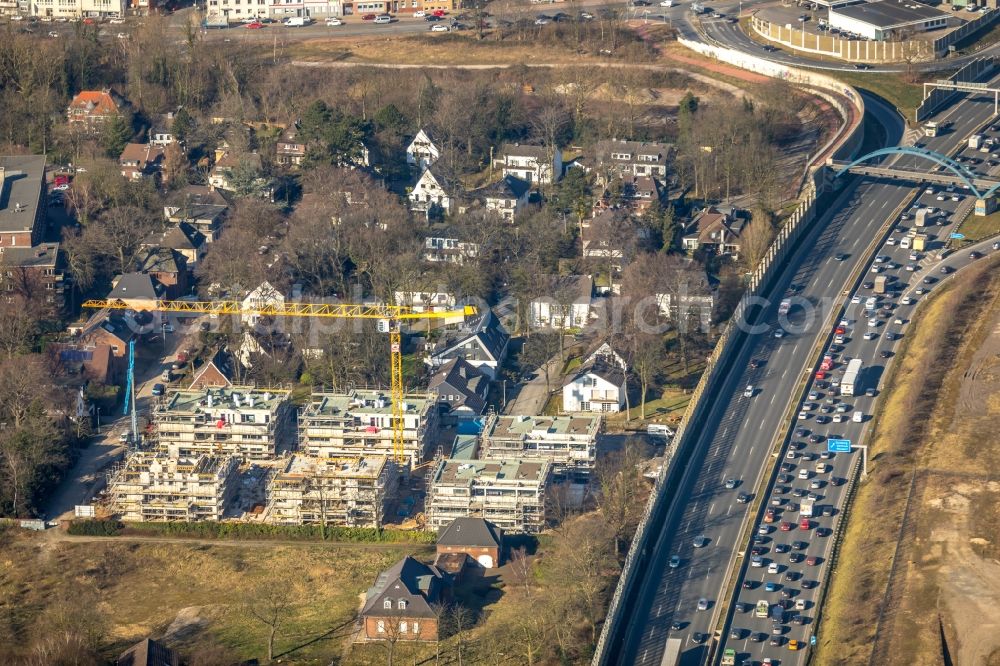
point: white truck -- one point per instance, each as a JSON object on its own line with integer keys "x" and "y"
{"x": 784, "y": 306}
{"x": 850, "y": 381}
{"x": 672, "y": 654}
{"x": 806, "y": 509}
{"x": 975, "y": 141}
{"x": 296, "y": 21}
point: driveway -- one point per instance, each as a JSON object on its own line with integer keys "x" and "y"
{"x": 532, "y": 396}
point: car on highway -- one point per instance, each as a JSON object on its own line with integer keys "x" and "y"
{"x": 256, "y": 25}
{"x": 841, "y": 256}
{"x": 701, "y": 541}
{"x": 974, "y": 255}
{"x": 748, "y": 391}
{"x": 771, "y": 586}
{"x": 730, "y": 483}
{"x": 333, "y": 20}
{"x": 676, "y": 625}
{"x": 812, "y": 560}
{"x": 743, "y": 498}
{"x": 755, "y": 363}
{"x": 675, "y": 561}
{"x": 440, "y": 27}
{"x": 756, "y": 561}
{"x": 703, "y": 604}
{"x": 368, "y": 17}
{"x": 786, "y": 526}
{"x": 779, "y": 333}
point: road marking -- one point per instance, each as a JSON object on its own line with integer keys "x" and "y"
{"x": 710, "y": 508}
{"x": 729, "y": 509}
{"x": 659, "y": 610}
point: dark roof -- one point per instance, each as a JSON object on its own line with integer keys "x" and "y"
{"x": 222, "y": 362}
{"x": 148, "y": 652}
{"x": 22, "y": 184}
{"x": 463, "y": 377}
{"x": 887, "y": 15}
{"x": 43, "y": 255}
{"x": 600, "y": 366}
{"x": 162, "y": 260}
{"x": 200, "y": 194}
{"x": 181, "y": 236}
{"x": 470, "y": 532}
{"x": 132, "y": 286}
{"x": 485, "y": 327}
{"x": 419, "y": 584}
{"x": 508, "y": 187}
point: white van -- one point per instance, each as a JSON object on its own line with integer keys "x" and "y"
{"x": 296, "y": 21}
{"x": 383, "y": 18}
{"x": 904, "y": 242}
{"x": 659, "y": 430}
{"x": 858, "y": 417}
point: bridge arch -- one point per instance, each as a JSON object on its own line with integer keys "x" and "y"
{"x": 943, "y": 160}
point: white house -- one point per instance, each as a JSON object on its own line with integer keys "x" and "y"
{"x": 533, "y": 164}
{"x": 424, "y": 300}
{"x": 78, "y": 8}
{"x": 508, "y": 196}
{"x": 568, "y": 305}
{"x": 161, "y": 133}
{"x": 422, "y": 151}
{"x": 263, "y": 296}
{"x": 434, "y": 190}
{"x": 481, "y": 340}
{"x": 597, "y": 386}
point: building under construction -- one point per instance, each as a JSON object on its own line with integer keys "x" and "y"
{"x": 153, "y": 486}
{"x": 240, "y": 421}
{"x": 568, "y": 442}
{"x": 351, "y": 492}
{"x": 359, "y": 423}
{"x": 508, "y": 493}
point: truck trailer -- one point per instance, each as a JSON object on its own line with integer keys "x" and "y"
{"x": 672, "y": 655}
{"x": 849, "y": 383}
{"x": 880, "y": 284}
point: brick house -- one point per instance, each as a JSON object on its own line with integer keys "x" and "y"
{"x": 168, "y": 267}
{"x": 214, "y": 373}
{"x": 404, "y": 602}
{"x": 140, "y": 160}
{"x": 91, "y": 109}
{"x": 480, "y": 539}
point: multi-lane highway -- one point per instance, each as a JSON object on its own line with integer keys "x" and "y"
{"x": 688, "y": 572}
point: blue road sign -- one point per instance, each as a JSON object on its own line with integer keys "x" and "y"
{"x": 955, "y": 236}
{"x": 838, "y": 445}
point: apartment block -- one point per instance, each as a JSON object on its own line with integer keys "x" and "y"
{"x": 338, "y": 491}
{"x": 359, "y": 423}
{"x": 508, "y": 493}
{"x": 152, "y": 486}
{"x": 569, "y": 443}
{"x": 240, "y": 421}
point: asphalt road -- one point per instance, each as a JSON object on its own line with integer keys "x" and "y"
{"x": 736, "y": 442}
{"x": 875, "y": 345}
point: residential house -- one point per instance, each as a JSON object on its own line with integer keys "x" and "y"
{"x": 22, "y": 215}
{"x": 317, "y": 10}
{"x": 140, "y": 160}
{"x": 138, "y": 290}
{"x": 148, "y": 652}
{"x": 509, "y": 493}
{"x": 289, "y": 150}
{"x": 142, "y": 7}
{"x": 264, "y": 296}
{"x": 534, "y": 164}
{"x": 596, "y": 386}
{"x": 443, "y": 244}
{"x": 238, "y": 10}
{"x": 168, "y": 268}
{"x": 161, "y": 134}
{"x": 217, "y": 372}
{"x": 569, "y": 443}
{"x": 461, "y": 390}
{"x": 91, "y": 109}
{"x": 568, "y": 304}
{"x": 508, "y": 196}
{"x": 422, "y": 152}
{"x": 480, "y": 340}
{"x": 642, "y": 192}
{"x": 695, "y": 297}
{"x": 421, "y": 301}
{"x": 226, "y": 161}
{"x": 182, "y": 238}
{"x": 157, "y": 486}
{"x": 715, "y": 232}
{"x": 260, "y": 343}
{"x": 480, "y": 539}
{"x": 608, "y": 352}
{"x": 434, "y": 192}
{"x": 240, "y": 421}
{"x": 359, "y": 422}
{"x": 620, "y": 158}
{"x": 403, "y": 604}
{"x": 100, "y": 350}
{"x": 76, "y": 9}
{"x": 37, "y": 272}
{"x": 351, "y": 492}
{"x": 200, "y": 207}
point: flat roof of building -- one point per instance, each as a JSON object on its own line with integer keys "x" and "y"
{"x": 357, "y": 467}
{"x": 883, "y": 14}
{"x": 539, "y": 426}
{"x": 20, "y": 191}
{"x": 224, "y": 399}
{"x": 367, "y": 401}
{"x": 465, "y": 447}
{"x": 511, "y": 470}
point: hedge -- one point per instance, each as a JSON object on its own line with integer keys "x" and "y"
{"x": 250, "y": 531}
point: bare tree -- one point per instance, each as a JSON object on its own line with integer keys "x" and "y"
{"x": 520, "y": 566}
{"x": 622, "y": 492}
{"x": 270, "y": 602}
{"x": 756, "y": 238}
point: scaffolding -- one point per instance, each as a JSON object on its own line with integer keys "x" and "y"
{"x": 351, "y": 492}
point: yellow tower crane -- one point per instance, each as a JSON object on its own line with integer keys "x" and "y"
{"x": 388, "y": 316}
